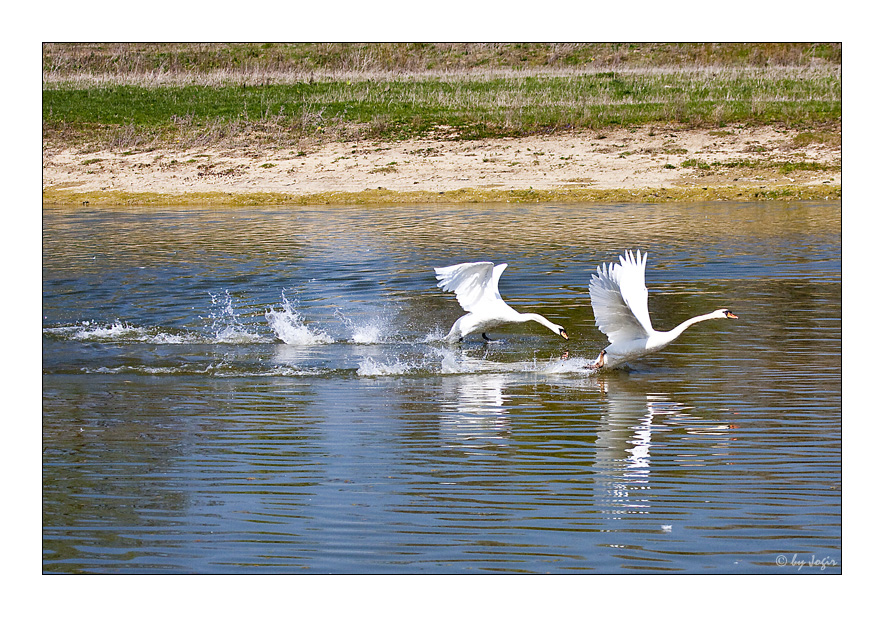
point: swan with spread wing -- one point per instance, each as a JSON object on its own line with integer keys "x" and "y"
{"x": 620, "y": 305}
{"x": 475, "y": 285}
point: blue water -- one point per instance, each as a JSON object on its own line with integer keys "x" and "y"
{"x": 265, "y": 390}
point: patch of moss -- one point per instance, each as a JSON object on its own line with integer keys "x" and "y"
{"x": 56, "y": 197}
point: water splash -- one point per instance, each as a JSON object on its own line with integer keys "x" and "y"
{"x": 173, "y": 339}
{"x": 451, "y": 361}
{"x": 370, "y": 367}
{"x": 117, "y": 332}
{"x": 370, "y": 330}
{"x": 226, "y": 323}
{"x": 434, "y": 336}
{"x": 217, "y": 369}
{"x": 434, "y": 361}
{"x": 288, "y": 325}
{"x": 568, "y": 365}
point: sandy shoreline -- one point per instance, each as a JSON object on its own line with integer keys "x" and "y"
{"x": 647, "y": 162}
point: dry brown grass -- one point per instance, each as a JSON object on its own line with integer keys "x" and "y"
{"x": 362, "y": 58}
{"x": 257, "y": 76}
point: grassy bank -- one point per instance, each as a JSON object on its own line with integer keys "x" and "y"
{"x": 60, "y": 60}
{"x": 467, "y": 108}
{"x": 125, "y": 97}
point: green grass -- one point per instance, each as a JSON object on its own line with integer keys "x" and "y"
{"x": 784, "y": 167}
{"x": 803, "y": 166}
{"x": 132, "y": 95}
{"x": 465, "y": 107}
{"x": 701, "y": 165}
{"x": 827, "y": 138}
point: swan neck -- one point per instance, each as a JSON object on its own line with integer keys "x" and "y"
{"x": 700, "y": 318}
{"x": 540, "y": 319}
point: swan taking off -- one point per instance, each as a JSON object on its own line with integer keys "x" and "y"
{"x": 620, "y": 305}
{"x": 475, "y": 285}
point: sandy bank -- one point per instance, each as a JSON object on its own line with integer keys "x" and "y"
{"x": 648, "y": 164}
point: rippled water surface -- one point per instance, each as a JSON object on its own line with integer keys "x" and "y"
{"x": 266, "y": 390}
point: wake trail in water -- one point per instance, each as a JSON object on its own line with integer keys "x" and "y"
{"x": 568, "y": 365}
{"x": 369, "y": 346}
{"x": 450, "y": 361}
{"x": 119, "y": 332}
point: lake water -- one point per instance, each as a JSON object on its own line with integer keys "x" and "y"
{"x": 265, "y": 390}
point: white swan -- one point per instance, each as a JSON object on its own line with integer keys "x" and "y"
{"x": 620, "y": 305}
{"x": 475, "y": 285}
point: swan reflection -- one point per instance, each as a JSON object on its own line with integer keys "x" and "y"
{"x": 624, "y": 452}
{"x": 476, "y": 414}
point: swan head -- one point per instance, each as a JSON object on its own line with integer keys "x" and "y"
{"x": 540, "y": 319}
{"x": 725, "y": 313}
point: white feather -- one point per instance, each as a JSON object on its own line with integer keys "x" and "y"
{"x": 620, "y": 299}
{"x": 620, "y": 306}
{"x": 475, "y": 285}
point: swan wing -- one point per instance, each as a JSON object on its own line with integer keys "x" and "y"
{"x": 620, "y": 299}
{"x": 475, "y": 283}
{"x": 633, "y": 288}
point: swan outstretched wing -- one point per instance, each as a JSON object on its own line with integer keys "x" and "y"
{"x": 473, "y": 283}
{"x": 633, "y": 288}
{"x": 620, "y": 298}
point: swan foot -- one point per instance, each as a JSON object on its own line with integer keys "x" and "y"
{"x": 486, "y": 337}
{"x": 599, "y": 363}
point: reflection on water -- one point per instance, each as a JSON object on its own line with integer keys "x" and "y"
{"x": 476, "y": 416}
{"x": 626, "y": 448}
{"x": 238, "y": 390}
{"x": 623, "y": 451}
